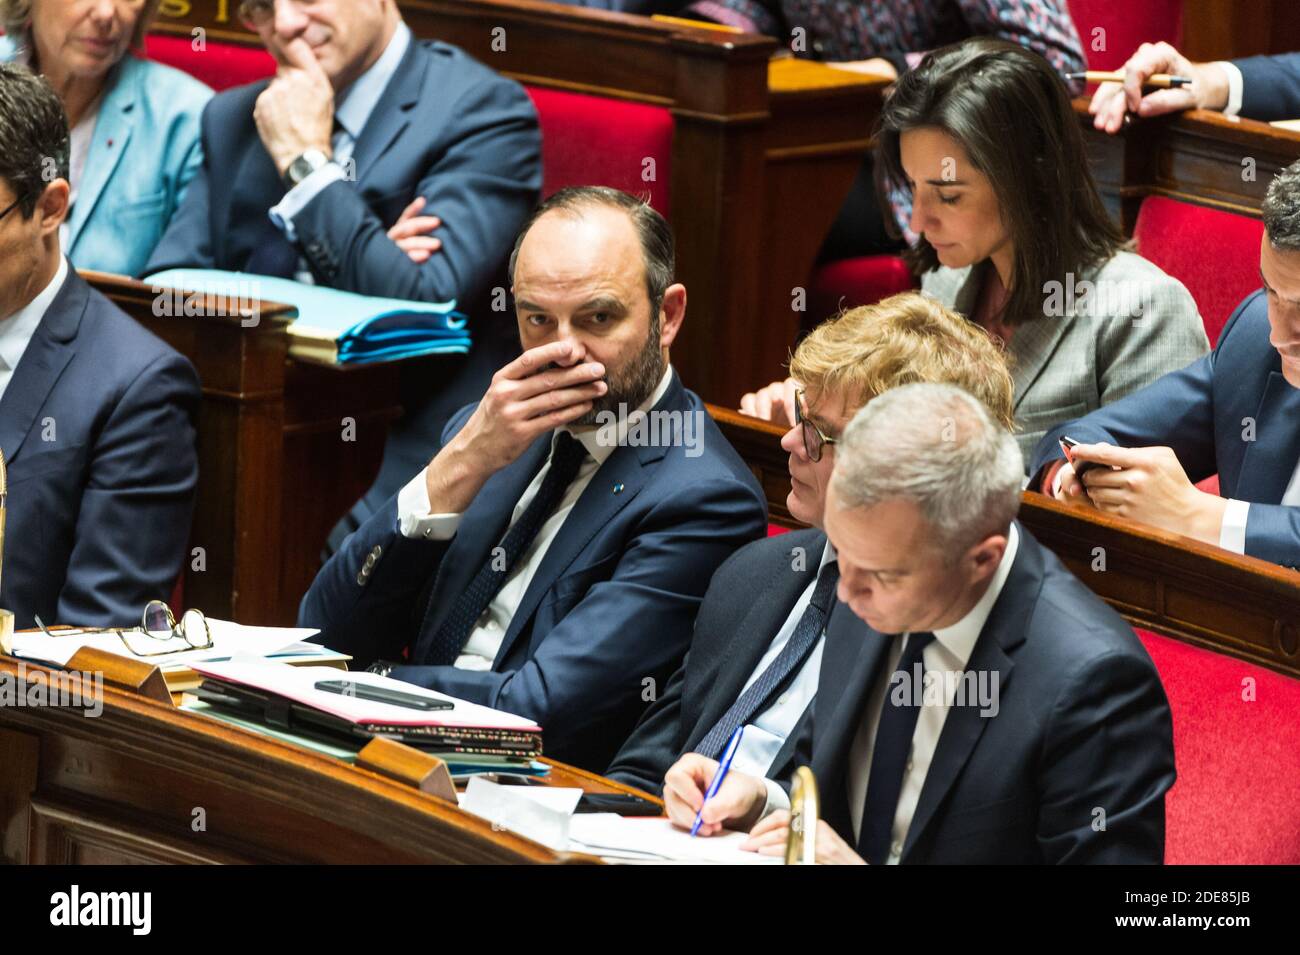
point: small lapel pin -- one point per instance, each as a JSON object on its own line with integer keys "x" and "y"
{"x": 618, "y": 488}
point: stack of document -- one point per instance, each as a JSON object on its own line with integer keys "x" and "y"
{"x": 334, "y": 327}
{"x": 229, "y": 640}
{"x": 290, "y": 698}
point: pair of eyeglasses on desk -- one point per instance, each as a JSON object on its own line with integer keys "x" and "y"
{"x": 159, "y": 633}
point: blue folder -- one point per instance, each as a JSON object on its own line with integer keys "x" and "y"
{"x": 361, "y": 328}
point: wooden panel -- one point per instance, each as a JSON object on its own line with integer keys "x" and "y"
{"x": 19, "y": 763}
{"x": 285, "y": 448}
{"x": 1201, "y": 157}
{"x": 1241, "y": 606}
{"x": 1226, "y": 29}
{"x": 144, "y": 782}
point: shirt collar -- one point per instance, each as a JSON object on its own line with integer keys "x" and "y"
{"x": 596, "y": 441}
{"x": 960, "y": 638}
{"x": 17, "y": 330}
{"x": 359, "y": 100}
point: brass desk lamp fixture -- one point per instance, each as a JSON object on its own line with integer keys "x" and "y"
{"x": 6, "y": 616}
{"x": 801, "y": 841}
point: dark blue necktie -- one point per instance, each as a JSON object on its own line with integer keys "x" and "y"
{"x": 792, "y": 655}
{"x": 566, "y": 457}
{"x": 892, "y": 749}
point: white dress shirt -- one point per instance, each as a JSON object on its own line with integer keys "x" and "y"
{"x": 1232, "y": 532}
{"x": 17, "y": 330}
{"x": 351, "y": 113}
{"x": 415, "y": 520}
{"x": 764, "y": 737}
{"x": 948, "y": 652}
{"x": 1236, "y": 86}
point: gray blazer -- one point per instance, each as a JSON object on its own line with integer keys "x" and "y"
{"x": 1128, "y": 326}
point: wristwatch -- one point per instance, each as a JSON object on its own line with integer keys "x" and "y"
{"x": 304, "y": 166}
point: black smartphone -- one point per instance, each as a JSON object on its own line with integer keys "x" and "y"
{"x": 625, "y": 804}
{"x": 382, "y": 694}
{"x": 1083, "y": 467}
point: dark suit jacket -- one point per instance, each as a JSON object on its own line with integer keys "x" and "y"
{"x": 610, "y": 606}
{"x": 748, "y": 601}
{"x": 1204, "y": 413}
{"x": 1082, "y": 724}
{"x": 447, "y": 128}
{"x": 97, "y": 429}
{"x": 1270, "y": 87}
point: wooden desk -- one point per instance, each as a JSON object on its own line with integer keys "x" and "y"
{"x": 276, "y": 470}
{"x": 129, "y": 785}
{"x": 1241, "y": 606}
{"x": 1200, "y": 156}
{"x": 762, "y": 156}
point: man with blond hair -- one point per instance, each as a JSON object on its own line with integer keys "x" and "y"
{"x": 758, "y": 638}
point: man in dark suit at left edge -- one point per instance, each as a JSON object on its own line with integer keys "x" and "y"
{"x": 96, "y": 414}
{"x": 551, "y": 558}
{"x": 374, "y": 163}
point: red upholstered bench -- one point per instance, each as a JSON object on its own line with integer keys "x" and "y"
{"x": 1238, "y": 760}
{"x": 220, "y": 65}
{"x": 593, "y": 140}
{"x": 1214, "y": 253}
{"x": 1126, "y": 26}
{"x": 849, "y": 283}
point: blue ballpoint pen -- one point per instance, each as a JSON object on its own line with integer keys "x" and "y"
{"x": 732, "y": 745}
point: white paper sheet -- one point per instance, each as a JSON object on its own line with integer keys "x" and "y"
{"x": 540, "y": 813}
{"x": 228, "y": 640}
{"x": 655, "y": 839}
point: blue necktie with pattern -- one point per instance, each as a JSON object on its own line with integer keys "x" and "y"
{"x": 566, "y": 457}
{"x": 792, "y": 655}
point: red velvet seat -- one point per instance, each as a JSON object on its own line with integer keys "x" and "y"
{"x": 592, "y": 140}
{"x": 1126, "y": 26}
{"x": 1238, "y": 760}
{"x": 1214, "y": 253}
{"x": 220, "y": 65}
{"x": 849, "y": 283}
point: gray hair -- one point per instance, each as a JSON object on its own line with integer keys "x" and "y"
{"x": 939, "y": 447}
{"x": 657, "y": 246}
{"x": 1282, "y": 209}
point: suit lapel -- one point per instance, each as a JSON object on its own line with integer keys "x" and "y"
{"x": 1030, "y": 348}
{"x": 1270, "y": 460}
{"x": 112, "y": 133}
{"x": 771, "y": 599}
{"x": 392, "y": 114}
{"x": 481, "y": 528}
{"x": 42, "y": 363}
{"x": 1003, "y": 632}
{"x": 851, "y": 665}
{"x": 615, "y": 484}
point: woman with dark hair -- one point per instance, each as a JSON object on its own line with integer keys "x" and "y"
{"x": 1012, "y": 233}
{"x": 1009, "y": 231}
{"x": 134, "y": 124}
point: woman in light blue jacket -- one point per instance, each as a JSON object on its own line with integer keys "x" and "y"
{"x": 135, "y": 124}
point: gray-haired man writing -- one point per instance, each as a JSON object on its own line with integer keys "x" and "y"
{"x": 977, "y": 703}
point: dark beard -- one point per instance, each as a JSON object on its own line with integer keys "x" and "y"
{"x": 632, "y": 384}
